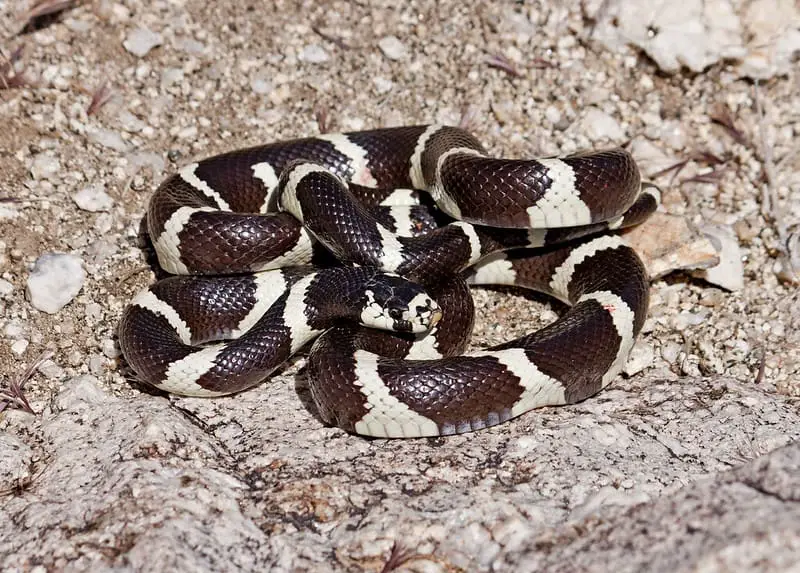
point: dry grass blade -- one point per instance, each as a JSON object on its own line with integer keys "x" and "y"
{"x": 323, "y": 119}
{"x": 721, "y": 115}
{"x": 704, "y": 157}
{"x": 676, "y": 167}
{"x": 14, "y": 395}
{"x": 100, "y": 97}
{"x": 398, "y": 557}
{"x": 9, "y": 76}
{"x": 500, "y": 62}
{"x": 714, "y": 176}
{"x": 469, "y": 117}
{"x": 42, "y": 13}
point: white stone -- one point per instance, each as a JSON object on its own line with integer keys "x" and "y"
{"x": 392, "y": 48}
{"x": 19, "y": 347}
{"x": 599, "y": 126}
{"x": 382, "y": 85}
{"x": 729, "y": 273}
{"x": 6, "y": 288}
{"x": 107, "y": 138}
{"x": 641, "y": 357}
{"x": 691, "y": 33}
{"x": 314, "y": 54}
{"x": 171, "y": 76}
{"x": 260, "y": 86}
{"x": 45, "y": 166}
{"x": 93, "y": 198}
{"x": 55, "y": 280}
{"x": 141, "y": 40}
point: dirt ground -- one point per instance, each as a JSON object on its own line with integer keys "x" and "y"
{"x": 689, "y": 462}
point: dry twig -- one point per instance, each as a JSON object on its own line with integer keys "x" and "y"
{"x": 14, "y": 395}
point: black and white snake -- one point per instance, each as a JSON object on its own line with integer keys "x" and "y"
{"x": 246, "y": 226}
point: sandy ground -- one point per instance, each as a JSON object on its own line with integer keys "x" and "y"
{"x": 689, "y": 463}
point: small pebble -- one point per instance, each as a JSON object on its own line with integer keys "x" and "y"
{"x": 171, "y": 76}
{"x": 314, "y": 54}
{"x": 685, "y": 319}
{"x": 392, "y": 48}
{"x": 94, "y": 312}
{"x": 51, "y": 370}
{"x": 141, "y": 40}
{"x": 107, "y": 138}
{"x": 97, "y": 363}
{"x": 729, "y": 273}
{"x": 146, "y": 159}
{"x": 6, "y": 288}
{"x": 55, "y": 280}
{"x": 382, "y": 85}
{"x": 45, "y": 166}
{"x": 599, "y": 126}
{"x": 670, "y": 351}
{"x": 260, "y": 86}
{"x": 109, "y": 348}
{"x": 93, "y": 198}
{"x": 19, "y": 347}
{"x": 14, "y": 330}
{"x": 641, "y": 357}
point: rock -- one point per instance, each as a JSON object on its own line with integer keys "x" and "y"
{"x": 55, "y": 280}
{"x": 599, "y": 126}
{"x": 314, "y": 54}
{"x": 641, "y": 357}
{"x": 6, "y": 288}
{"x": 19, "y": 347}
{"x": 141, "y": 40}
{"x": 729, "y": 273}
{"x": 392, "y": 48}
{"x": 45, "y": 166}
{"x": 18, "y": 460}
{"x": 773, "y": 37}
{"x": 93, "y": 198}
{"x": 692, "y": 33}
{"x": 260, "y": 85}
{"x": 171, "y": 76}
{"x": 146, "y": 159}
{"x": 382, "y": 85}
{"x": 107, "y": 138}
{"x": 700, "y": 33}
{"x": 667, "y": 243}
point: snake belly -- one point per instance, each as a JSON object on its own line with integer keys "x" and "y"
{"x": 244, "y": 225}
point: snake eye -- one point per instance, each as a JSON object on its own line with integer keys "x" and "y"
{"x": 395, "y": 313}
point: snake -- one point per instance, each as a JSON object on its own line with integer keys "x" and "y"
{"x": 365, "y": 245}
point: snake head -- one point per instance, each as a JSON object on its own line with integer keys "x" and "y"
{"x": 394, "y": 303}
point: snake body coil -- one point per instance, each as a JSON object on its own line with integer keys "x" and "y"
{"x": 256, "y": 217}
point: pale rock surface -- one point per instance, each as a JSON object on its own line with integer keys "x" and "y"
{"x": 764, "y": 38}
{"x": 55, "y": 280}
{"x": 93, "y": 198}
{"x": 141, "y": 40}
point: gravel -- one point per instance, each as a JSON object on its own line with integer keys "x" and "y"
{"x": 688, "y": 462}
